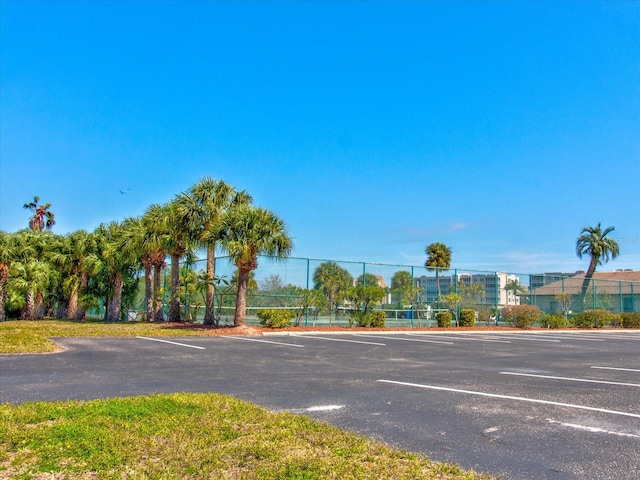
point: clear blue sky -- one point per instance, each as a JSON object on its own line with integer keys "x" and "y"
{"x": 372, "y": 128}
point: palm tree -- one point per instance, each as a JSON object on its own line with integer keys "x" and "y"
{"x": 42, "y": 217}
{"x": 114, "y": 264}
{"x": 30, "y": 270}
{"x": 143, "y": 238}
{"x": 7, "y": 252}
{"x": 439, "y": 257}
{"x": 203, "y": 208}
{"x": 154, "y": 223}
{"x": 178, "y": 242}
{"x": 247, "y": 233}
{"x": 592, "y": 241}
{"x": 516, "y": 287}
{"x": 334, "y": 281}
{"x": 71, "y": 257}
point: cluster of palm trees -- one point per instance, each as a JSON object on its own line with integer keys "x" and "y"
{"x": 42, "y": 274}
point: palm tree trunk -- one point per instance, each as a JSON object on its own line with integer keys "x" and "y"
{"x": 587, "y": 279}
{"x": 39, "y": 308}
{"x": 174, "y": 305}
{"x": 240, "y": 316}
{"x": 72, "y": 306}
{"x": 27, "y": 311}
{"x": 115, "y": 302}
{"x": 81, "y": 311}
{"x": 157, "y": 297}
{"x": 209, "y": 316}
{"x": 148, "y": 292}
{"x": 438, "y": 283}
{"x": 4, "y": 277}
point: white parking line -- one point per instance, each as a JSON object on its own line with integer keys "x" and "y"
{"x": 172, "y": 343}
{"x": 247, "y": 339}
{"x": 527, "y": 337}
{"x": 479, "y": 338}
{"x": 570, "y": 379}
{"x": 339, "y": 340}
{"x": 616, "y": 368}
{"x": 571, "y": 336}
{"x": 509, "y": 397}
{"x": 593, "y": 429}
{"x": 404, "y": 339}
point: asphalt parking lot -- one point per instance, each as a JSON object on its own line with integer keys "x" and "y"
{"x": 522, "y": 405}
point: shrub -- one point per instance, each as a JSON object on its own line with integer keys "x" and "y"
{"x": 275, "y": 318}
{"x": 377, "y": 319}
{"x": 444, "y": 319}
{"x": 359, "y": 318}
{"x": 521, "y": 316}
{"x": 594, "y": 318}
{"x": 484, "y": 316}
{"x": 553, "y": 321}
{"x": 467, "y": 317}
{"x": 630, "y": 319}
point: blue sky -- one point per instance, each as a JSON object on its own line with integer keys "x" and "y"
{"x": 372, "y": 128}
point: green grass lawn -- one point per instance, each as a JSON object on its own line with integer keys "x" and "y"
{"x": 34, "y": 336}
{"x": 180, "y": 436}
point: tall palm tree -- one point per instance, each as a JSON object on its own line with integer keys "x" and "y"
{"x": 203, "y": 208}
{"x": 156, "y": 233}
{"x": 42, "y": 217}
{"x": 143, "y": 237}
{"x": 249, "y": 232}
{"x": 439, "y": 258}
{"x": 333, "y": 281}
{"x": 71, "y": 257}
{"x": 31, "y": 270}
{"x": 179, "y": 241}
{"x": 593, "y": 241}
{"x": 114, "y": 264}
{"x": 7, "y": 254}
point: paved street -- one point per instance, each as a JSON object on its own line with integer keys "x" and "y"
{"x": 524, "y": 405}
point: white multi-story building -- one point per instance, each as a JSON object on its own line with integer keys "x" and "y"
{"x": 493, "y": 287}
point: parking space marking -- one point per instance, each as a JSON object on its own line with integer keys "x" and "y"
{"x": 403, "y": 339}
{"x": 248, "y": 339}
{"x": 510, "y": 397}
{"x": 593, "y": 429}
{"x": 464, "y": 337}
{"x": 172, "y": 343}
{"x": 339, "y": 340}
{"x": 550, "y": 377}
{"x": 527, "y": 337}
{"x": 571, "y": 336}
{"x": 617, "y": 368}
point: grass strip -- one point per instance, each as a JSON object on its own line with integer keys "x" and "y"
{"x": 21, "y": 336}
{"x": 185, "y": 436}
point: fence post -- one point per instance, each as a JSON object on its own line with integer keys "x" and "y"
{"x": 306, "y": 312}
{"x": 412, "y": 309}
{"x": 620, "y": 295}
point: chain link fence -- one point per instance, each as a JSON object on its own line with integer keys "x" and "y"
{"x": 412, "y": 294}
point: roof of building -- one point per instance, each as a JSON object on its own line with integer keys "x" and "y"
{"x": 619, "y": 281}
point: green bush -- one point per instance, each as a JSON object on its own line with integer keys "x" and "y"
{"x": 630, "y": 319}
{"x": 377, "y": 319}
{"x": 467, "y": 317}
{"x": 484, "y": 316}
{"x": 521, "y": 316}
{"x": 553, "y": 321}
{"x": 594, "y": 318}
{"x": 359, "y": 318}
{"x": 444, "y": 319}
{"x": 275, "y": 318}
